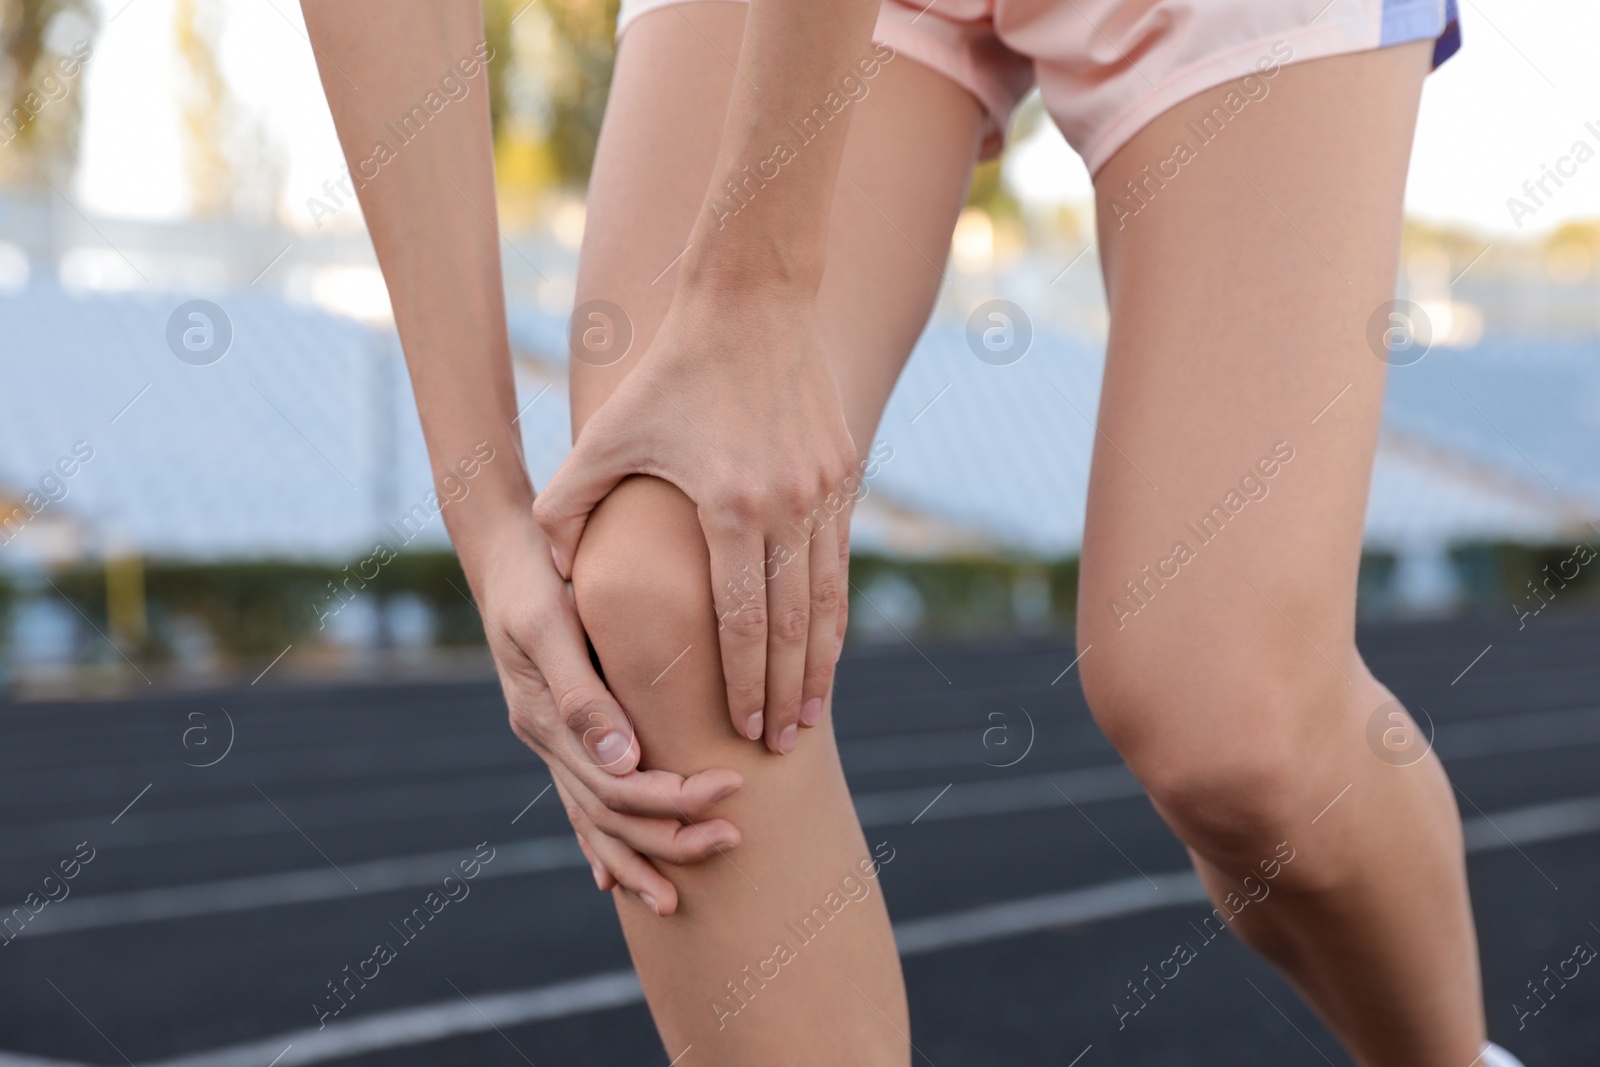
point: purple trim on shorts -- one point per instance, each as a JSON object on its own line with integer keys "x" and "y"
{"x": 1418, "y": 20}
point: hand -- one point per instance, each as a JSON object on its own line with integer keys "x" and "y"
{"x": 734, "y": 402}
{"x": 561, "y": 709}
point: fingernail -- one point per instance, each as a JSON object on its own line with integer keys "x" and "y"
{"x": 786, "y": 739}
{"x": 555, "y": 557}
{"x": 811, "y": 713}
{"x": 650, "y": 902}
{"x": 610, "y": 748}
{"x": 599, "y": 879}
{"x": 752, "y": 727}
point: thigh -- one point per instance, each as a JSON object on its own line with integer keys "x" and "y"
{"x": 1241, "y": 399}
{"x": 642, "y": 578}
{"x": 903, "y": 180}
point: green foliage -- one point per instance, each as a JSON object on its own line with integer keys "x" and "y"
{"x": 989, "y": 192}
{"x": 254, "y": 609}
{"x": 1507, "y": 578}
{"x": 968, "y": 597}
{"x": 437, "y": 579}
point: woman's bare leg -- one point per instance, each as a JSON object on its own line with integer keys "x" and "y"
{"x": 1227, "y": 674}
{"x": 714, "y": 972}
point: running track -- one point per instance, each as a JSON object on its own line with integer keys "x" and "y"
{"x": 221, "y": 898}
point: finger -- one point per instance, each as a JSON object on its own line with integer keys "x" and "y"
{"x": 822, "y": 641}
{"x": 740, "y": 595}
{"x": 631, "y": 870}
{"x": 603, "y": 879}
{"x": 789, "y": 614}
{"x": 667, "y": 840}
{"x": 844, "y": 577}
{"x": 597, "y": 745}
{"x": 653, "y": 840}
{"x": 592, "y": 469}
{"x": 662, "y": 794}
{"x": 598, "y": 732}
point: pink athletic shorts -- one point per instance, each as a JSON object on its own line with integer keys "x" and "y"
{"x": 1106, "y": 68}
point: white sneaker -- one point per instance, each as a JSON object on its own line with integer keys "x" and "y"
{"x": 1495, "y": 1056}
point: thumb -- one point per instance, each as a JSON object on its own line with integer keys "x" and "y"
{"x": 563, "y": 507}
{"x": 598, "y": 732}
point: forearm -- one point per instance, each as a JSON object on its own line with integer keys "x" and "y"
{"x": 802, "y": 65}
{"x": 426, "y": 187}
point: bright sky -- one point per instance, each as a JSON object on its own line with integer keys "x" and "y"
{"x": 1515, "y": 99}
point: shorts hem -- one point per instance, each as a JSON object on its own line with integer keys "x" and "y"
{"x": 1336, "y": 39}
{"x": 631, "y": 12}
{"x": 951, "y": 63}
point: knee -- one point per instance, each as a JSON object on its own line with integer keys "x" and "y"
{"x": 1226, "y": 745}
{"x": 641, "y": 581}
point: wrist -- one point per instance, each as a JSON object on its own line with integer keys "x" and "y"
{"x": 747, "y": 256}
{"x": 745, "y": 281}
{"x": 491, "y": 523}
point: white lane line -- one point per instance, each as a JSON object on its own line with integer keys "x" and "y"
{"x": 1015, "y": 794}
{"x": 1002, "y": 796}
{"x": 1128, "y": 896}
{"x": 1005, "y": 796}
{"x": 429, "y": 1022}
{"x": 990, "y": 922}
{"x": 18, "y": 1059}
{"x": 936, "y": 752}
{"x": 295, "y": 887}
{"x": 535, "y": 855}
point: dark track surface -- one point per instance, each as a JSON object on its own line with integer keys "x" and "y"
{"x": 373, "y": 772}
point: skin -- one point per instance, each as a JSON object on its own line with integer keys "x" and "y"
{"x": 1237, "y": 694}
{"x": 1231, "y": 332}
{"x": 1242, "y": 732}
{"x": 757, "y": 461}
{"x": 430, "y": 211}
{"x": 643, "y": 555}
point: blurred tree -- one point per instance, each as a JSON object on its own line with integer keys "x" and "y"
{"x": 548, "y": 95}
{"x": 42, "y": 47}
{"x": 204, "y": 107}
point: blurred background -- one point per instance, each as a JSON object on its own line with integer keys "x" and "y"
{"x": 169, "y": 150}
{"x": 206, "y": 428}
